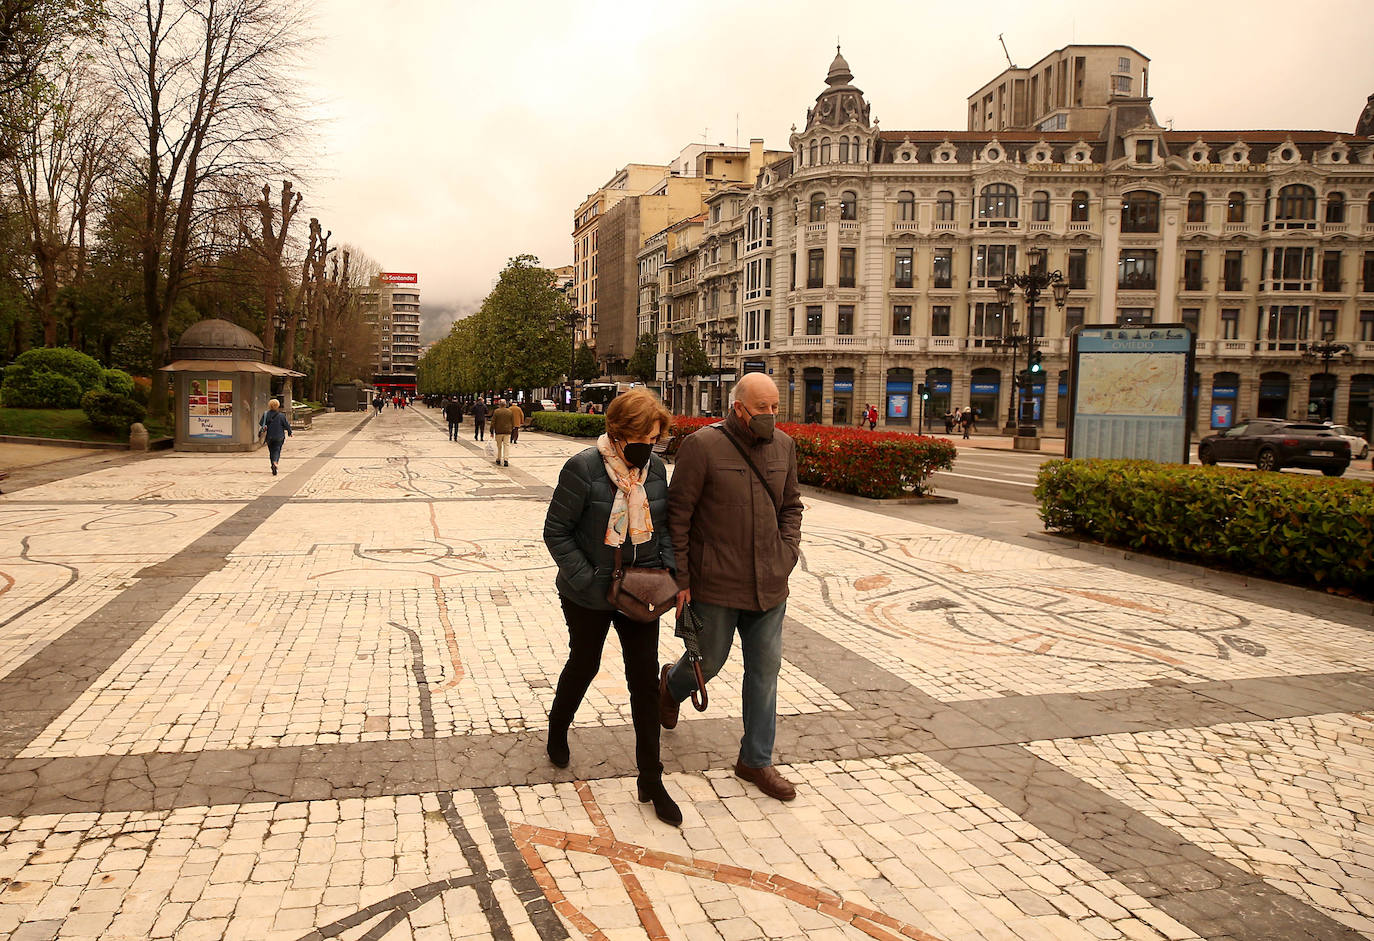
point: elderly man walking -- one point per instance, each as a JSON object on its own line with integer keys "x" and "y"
{"x": 734, "y": 512}
{"x": 502, "y": 423}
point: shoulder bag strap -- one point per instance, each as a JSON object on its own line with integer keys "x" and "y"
{"x": 777, "y": 506}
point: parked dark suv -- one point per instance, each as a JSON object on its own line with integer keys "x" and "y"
{"x": 1273, "y": 445}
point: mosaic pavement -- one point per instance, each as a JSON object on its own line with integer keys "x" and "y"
{"x": 311, "y": 706}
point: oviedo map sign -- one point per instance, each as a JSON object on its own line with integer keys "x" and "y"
{"x": 1129, "y": 391}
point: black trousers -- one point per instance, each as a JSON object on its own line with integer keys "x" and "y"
{"x": 479, "y": 429}
{"x": 587, "y": 629}
{"x": 453, "y": 431}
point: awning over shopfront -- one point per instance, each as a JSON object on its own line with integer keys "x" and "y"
{"x": 228, "y": 365}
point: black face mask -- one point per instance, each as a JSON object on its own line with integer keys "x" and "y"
{"x": 637, "y": 453}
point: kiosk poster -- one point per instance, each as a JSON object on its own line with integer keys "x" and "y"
{"x": 210, "y": 408}
{"x": 1129, "y": 392}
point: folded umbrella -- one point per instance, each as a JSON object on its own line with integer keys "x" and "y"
{"x": 689, "y": 629}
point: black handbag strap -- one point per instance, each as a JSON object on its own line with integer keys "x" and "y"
{"x": 777, "y": 504}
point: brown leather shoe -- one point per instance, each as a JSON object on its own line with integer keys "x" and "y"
{"x": 767, "y": 780}
{"x": 667, "y": 705}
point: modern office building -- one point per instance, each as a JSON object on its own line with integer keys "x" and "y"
{"x": 392, "y": 305}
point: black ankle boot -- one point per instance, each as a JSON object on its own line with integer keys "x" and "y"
{"x": 558, "y": 748}
{"x": 664, "y": 806}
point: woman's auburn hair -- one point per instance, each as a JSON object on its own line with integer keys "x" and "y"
{"x": 636, "y": 414}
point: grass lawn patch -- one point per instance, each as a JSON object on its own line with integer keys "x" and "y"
{"x": 66, "y": 423}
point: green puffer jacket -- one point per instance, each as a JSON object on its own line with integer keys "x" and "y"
{"x": 575, "y": 529}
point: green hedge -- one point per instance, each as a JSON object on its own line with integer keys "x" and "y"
{"x": 49, "y": 377}
{"x": 573, "y": 424}
{"x": 110, "y": 411}
{"x": 117, "y": 381}
{"x": 1306, "y": 530}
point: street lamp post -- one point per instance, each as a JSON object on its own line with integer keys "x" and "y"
{"x": 1010, "y": 339}
{"x": 1324, "y": 352}
{"x": 720, "y": 336}
{"x": 331, "y": 370}
{"x": 1032, "y": 284}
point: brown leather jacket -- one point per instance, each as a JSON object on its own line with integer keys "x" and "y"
{"x": 502, "y": 421}
{"x": 738, "y": 550}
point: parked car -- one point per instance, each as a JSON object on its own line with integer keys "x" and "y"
{"x": 549, "y": 405}
{"x": 1273, "y": 445}
{"x": 1359, "y": 447}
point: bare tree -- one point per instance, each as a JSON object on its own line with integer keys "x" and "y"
{"x": 211, "y": 89}
{"x": 269, "y": 243}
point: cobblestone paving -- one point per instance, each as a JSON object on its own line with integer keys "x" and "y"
{"x": 311, "y": 706}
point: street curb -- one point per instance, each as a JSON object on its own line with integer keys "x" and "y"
{"x": 65, "y": 443}
{"x": 927, "y": 500}
{"x": 1295, "y": 592}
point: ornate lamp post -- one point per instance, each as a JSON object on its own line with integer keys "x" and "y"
{"x": 720, "y": 336}
{"x": 1324, "y": 352}
{"x": 1010, "y": 339}
{"x": 1032, "y": 284}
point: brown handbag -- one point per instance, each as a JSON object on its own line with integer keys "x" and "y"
{"x": 641, "y": 594}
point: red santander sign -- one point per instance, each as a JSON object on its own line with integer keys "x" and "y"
{"x": 400, "y": 277}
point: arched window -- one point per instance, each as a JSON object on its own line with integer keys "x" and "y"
{"x": 815, "y": 149}
{"x": 906, "y": 206}
{"x": 1235, "y": 207}
{"x": 1140, "y": 211}
{"x": 1197, "y": 207}
{"x": 844, "y": 149}
{"x": 854, "y": 150}
{"x": 1335, "y": 207}
{"x": 944, "y": 206}
{"x": 1297, "y": 201}
{"x": 1078, "y": 206}
{"x": 849, "y": 205}
{"x": 998, "y": 201}
{"x": 825, "y": 150}
{"x": 1040, "y": 206}
{"x": 817, "y": 207}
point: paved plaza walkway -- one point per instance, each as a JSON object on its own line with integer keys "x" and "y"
{"x": 312, "y": 706}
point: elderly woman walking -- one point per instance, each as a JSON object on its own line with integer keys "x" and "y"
{"x": 275, "y": 427}
{"x": 613, "y": 497}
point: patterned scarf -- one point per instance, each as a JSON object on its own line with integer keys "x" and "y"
{"x": 631, "y": 507}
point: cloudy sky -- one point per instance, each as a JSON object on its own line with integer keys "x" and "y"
{"x": 459, "y": 134}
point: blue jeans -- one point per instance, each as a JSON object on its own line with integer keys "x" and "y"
{"x": 760, "y": 634}
{"x": 274, "y": 449}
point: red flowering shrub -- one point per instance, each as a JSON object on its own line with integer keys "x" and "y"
{"x": 880, "y": 464}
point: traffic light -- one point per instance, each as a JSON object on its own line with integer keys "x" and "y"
{"x": 921, "y": 390}
{"x": 1035, "y": 361}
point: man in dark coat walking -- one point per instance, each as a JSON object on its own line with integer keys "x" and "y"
{"x": 479, "y": 420}
{"x": 453, "y": 414}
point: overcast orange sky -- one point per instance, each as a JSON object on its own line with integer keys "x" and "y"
{"x": 460, "y": 134}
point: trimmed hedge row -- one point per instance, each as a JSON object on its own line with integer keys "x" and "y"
{"x": 1306, "y": 530}
{"x": 572, "y": 424}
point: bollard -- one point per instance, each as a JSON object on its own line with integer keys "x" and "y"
{"x": 138, "y": 437}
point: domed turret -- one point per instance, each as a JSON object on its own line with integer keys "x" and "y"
{"x": 1364, "y": 127}
{"x": 839, "y": 71}
{"x": 841, "y": 103}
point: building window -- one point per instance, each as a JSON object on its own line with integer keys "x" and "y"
{"x": 992, "y": 263}
{"x": 844, "y": 149}
{"x": 1121, "y": 84}
{"x": 815, "y": 268}
{"x": 942, "y": 268}
{"x": 1287, "y": 324}
{"x": 849, "y": 205}
{"x": 1326, "y": 324}
{"x": 985, "y": 322}
{"x": 1123, "y": 64}
{"x": 815, "y": 151}
{"x": 791, "y": 321}
{"x": 1191, "y": 316}
{"x": 715, "y": 212}
{"x": 1136, "y": 269}
{"x": 998, "y": 204}
{"x": 1078, "y": 269}
{"x": 1230, "y": 323}
{"x": 939, "y": 320}
{"x": 848, "y": 263}
{"x": 1366, "y": 326}
{"x": 1292, "y": 270}
{"x": 901, "y": 268}
{"x": 1331, "y": 271}
{"x": 1078, "y": 206}
{"x": 1335, "y": 207}
{"x": 1134, "y": 315}
{"x": 1073, "y": 317}
{"x": 901, "y": 320}
{"x": 817, "y": 207}
{"x": 792, "y": 273}
{"x": 1144, "y": 149}
{"x": 846, "y": 320}
{"x": 1235, "y": 207}
{"x": 1232, "y": 271}
{"x": 944, "y": 206}
{"x": 1197, "y": 207}
{"x": 854, "y": 150}
{"x": 825, "y": 150}
{"x": 1298, "y": 202}
{"x": 1192, "y": 271}
{"x": 1140, "y": 212}
{"x": 813, "y": 320}
{"x": 1367, "y": 276}
{"x": 906, "y": 206}
{"x": 1040, "y": 206}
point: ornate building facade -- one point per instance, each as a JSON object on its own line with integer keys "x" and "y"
{"x": 866, "y": 262}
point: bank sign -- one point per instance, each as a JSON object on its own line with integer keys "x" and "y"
{"x": 1129, "y": 392}
{"x": 400, "y": 277}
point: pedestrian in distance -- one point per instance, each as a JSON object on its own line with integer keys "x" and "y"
{"x": 612, "y": 496}
{"x": 518, "y": 419}
{"x": 479, "y": 420}
{"x": 872, "y": 417}
{"x": 275, "y": 428}
{"x": 377, "y": 403}
{"x": 453, "y": 414}
{"x": 502, "y": 423}
{"x": 966, "y": 420}
{"x": 863, "y": 414}
{"x": 735, "y": 511}
{"x": 949, "y": 422}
